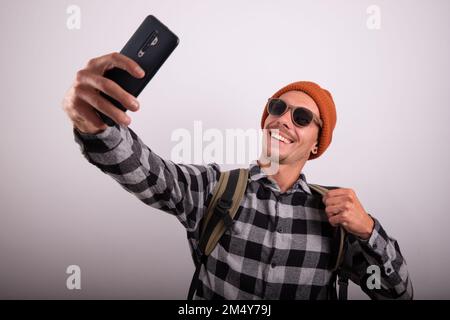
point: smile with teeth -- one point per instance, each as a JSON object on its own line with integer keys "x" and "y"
{"x": 280, "y": 138}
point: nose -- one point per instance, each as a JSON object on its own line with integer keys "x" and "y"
{"x": 285, "y": 120}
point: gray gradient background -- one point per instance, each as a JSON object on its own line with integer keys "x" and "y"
{"x": 391, "y": 88}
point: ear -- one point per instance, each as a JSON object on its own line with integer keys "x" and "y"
{"x": 315, "y": 149}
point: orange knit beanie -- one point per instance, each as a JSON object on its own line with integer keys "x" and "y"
{"x": 326, "y": 106}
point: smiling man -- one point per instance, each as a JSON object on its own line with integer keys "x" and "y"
{"x": 279, "y": 246}
{"x": 293, "y": 121}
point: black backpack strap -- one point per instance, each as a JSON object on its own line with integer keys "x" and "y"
{"x": 343, "y": 284}
{"x": 332, "y": 292}
{"x": 343, "y": 272}
{"x": 194, "y": 280}
{"x": 220, "y": 213}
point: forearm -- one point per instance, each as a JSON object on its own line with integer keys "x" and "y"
{"x": 114, "y": 152}
{"x": 174, "y": 188}
{"x": 383, "y": 252}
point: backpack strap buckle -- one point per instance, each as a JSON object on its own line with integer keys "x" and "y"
{"x": 223, "y": 208}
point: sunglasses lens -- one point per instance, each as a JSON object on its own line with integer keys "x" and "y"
{"x": 277, "y": 107}
{"x": 302, "y": 116}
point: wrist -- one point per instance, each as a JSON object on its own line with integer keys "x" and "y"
{"x": 369, "y": 228}
{"x": 91, "y": 131}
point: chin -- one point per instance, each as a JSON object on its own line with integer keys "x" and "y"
{"x": 280, "y": 159}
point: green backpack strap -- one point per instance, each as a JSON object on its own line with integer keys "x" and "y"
{"x": 222, "y": 208}
{"x": 340, "y": 243}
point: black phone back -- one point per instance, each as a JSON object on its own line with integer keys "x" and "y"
{"x": 150, "y": 46}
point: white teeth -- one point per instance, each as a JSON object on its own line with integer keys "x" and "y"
{"x": 280, "y": 138}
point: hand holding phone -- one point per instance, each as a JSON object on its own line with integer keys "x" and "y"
{"x": 108, "y": 85}
{"x": 150, "y": 46}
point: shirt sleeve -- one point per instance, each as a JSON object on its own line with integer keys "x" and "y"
{"x": 179, "y": 189}
{"x": 379, "y": 256}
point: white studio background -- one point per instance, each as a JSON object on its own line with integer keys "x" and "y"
{"x": 390, "y": 85}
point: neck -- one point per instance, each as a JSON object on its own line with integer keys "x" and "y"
{"x": 287, "y": 174}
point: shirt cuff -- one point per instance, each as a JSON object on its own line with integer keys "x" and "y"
{"x": 101, "y": 142}
{"x": 378, "y": 239}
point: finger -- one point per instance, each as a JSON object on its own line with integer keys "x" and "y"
{"x": 332, "y": 201}
{"x": 125, "y": 63}
{"x": 94, "y": 99}
{"x": 333, "y": 210}
{"x": 116, "y": 60}
{"x": 336, "y": 193}
{"x": 337, "y": 220}
{"x": 111, "y": 89}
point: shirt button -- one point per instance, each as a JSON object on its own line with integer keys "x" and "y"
{"x": 280, "y": 230}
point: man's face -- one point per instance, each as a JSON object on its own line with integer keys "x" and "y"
{"x": 301, "y": 140}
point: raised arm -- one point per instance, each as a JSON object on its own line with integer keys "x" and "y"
{"x": 179, "y": 189}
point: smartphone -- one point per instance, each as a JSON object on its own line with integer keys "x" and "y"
{"x": 150, "y": 46}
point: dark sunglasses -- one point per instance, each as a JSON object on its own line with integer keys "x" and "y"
{"x": 301, "y": 116}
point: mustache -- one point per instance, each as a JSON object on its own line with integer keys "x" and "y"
{"x": 282, "y": 130}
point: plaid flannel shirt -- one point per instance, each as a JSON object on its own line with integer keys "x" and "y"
{"x": 279, "y": 244}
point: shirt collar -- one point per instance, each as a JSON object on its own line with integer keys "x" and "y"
{"x": 256, "y": 174}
